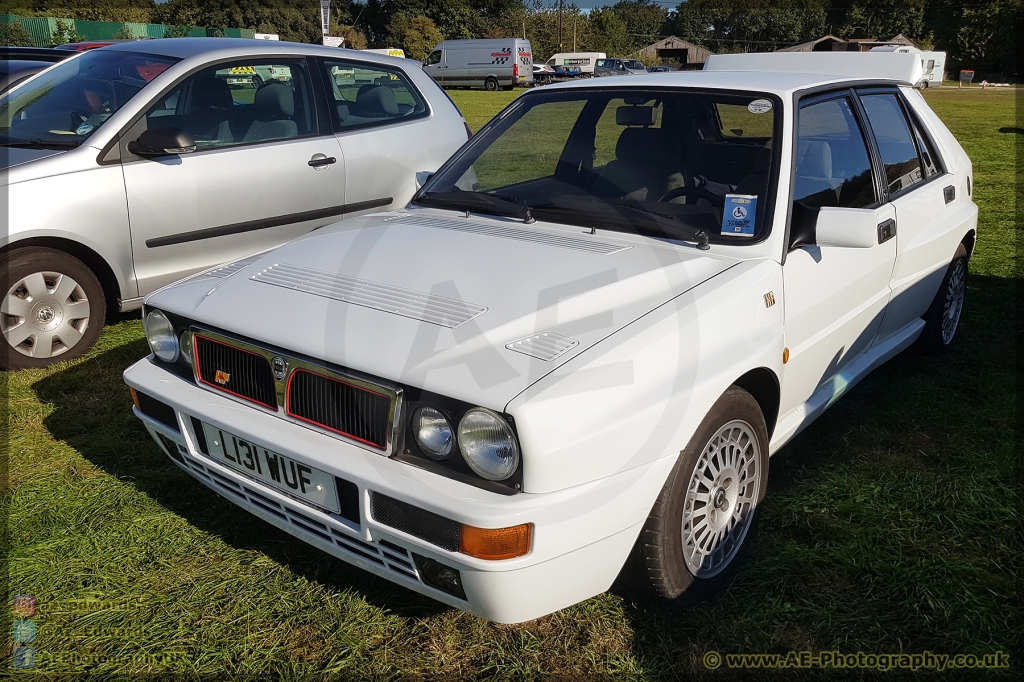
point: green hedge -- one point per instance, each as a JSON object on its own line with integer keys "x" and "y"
{"x": 41, "y": 29}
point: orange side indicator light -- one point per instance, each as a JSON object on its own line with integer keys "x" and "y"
{"x": 495, "y": 544}
{"x": 785, "y": 355}
{"x": 135, "y": 398}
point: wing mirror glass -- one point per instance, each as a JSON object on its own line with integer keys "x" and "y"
{"x": 163, "y": 142}
{"x": 848, "y": 227}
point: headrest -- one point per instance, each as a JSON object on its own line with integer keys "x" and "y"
{"x": 816, "y": 161}
{"x": 275, "y": 100}
{"x": 649, "y": 145}
{"x": 377, "y": 99}
{"x": 635, "y": 116}
{"x": 211, "y": 92}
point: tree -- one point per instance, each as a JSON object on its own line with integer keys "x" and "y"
{"x": 15, "y": 35}
{"x": 884, "y": 19}
{"x": 609, "y": 34}
{"x": 644, "y": 21}
{"x": 65, "y": 33}
{"x": 140, "y": 11}
{"x": 748, "y": 25}
{"x": 416, "y": 35}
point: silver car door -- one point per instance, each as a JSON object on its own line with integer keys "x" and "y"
{"x": 263, "y": 172}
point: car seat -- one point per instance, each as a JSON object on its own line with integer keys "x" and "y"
{"x": 275, "y": 105}
{"x": 209, "y": 109}
{"x": 376, "y": 101}
{"x": 646, "y": 161}
{"x": 814, "y": 184}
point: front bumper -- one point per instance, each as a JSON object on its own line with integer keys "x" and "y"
{"x": 581, "y": 535}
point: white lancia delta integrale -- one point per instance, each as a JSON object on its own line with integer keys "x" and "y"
{"x": 583, "y": 338}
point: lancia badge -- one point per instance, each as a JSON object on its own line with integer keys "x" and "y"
{"x": 280, "y": 367}
{"x": 221, "y": 377}
{"x": 769, "y": 299}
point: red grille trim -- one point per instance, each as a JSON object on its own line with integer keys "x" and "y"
{"x": 288, "y": 406}
{"x": 199, "y": 373}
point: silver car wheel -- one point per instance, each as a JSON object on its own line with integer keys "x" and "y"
{"x": 44, "y": 314}
{"x": 954, "y": 301}
{"x": 720, "y": 499}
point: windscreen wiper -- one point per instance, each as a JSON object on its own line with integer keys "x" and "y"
{"x": 488, "y": 203}
{"x": 39, "y": 144}
{"x": 611, "y": 209}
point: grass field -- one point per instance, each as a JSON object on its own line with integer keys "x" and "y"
{"x": 890, "y": 525}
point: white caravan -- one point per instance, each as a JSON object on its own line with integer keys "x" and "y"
{"x": 932, "y": 64}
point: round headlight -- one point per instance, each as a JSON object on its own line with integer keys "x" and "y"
{"x": 161, "y": 337}
{"x": 432, "y": 432}
{"x": 185, "y": 342}
{"x": 488, "y": 444}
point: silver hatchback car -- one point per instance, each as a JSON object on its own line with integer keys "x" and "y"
{"x": 129, "y": 167}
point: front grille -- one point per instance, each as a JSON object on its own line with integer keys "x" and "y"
{"x": 340, "y": 407}
{"x": 235, "y": 371}
{"x": 417, "y": 522}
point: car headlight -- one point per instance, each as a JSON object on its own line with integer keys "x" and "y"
{"x": 488, "y": 444}
{"x": 185, "y": 342}
{"x": 160, "y": 334}
{"x": 432, "y": 432}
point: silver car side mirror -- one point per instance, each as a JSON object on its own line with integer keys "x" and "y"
{"x": 163, "y": 142}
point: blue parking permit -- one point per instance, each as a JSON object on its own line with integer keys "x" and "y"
{"x": 738, "y": 215}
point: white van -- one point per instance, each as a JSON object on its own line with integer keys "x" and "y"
{"x": 932, "y": 64}
{"x": 583, "y": 61}
{"x": 501, "y": 62}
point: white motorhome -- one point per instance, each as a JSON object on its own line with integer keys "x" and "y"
{"x": 501, "y": 62}
{"x": 932, "y": 63}
{"x": 584, "y": 61}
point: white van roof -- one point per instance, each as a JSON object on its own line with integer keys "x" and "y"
{"x": 898, "y": 66}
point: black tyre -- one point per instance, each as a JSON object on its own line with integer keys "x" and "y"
{"x": 53, "y": 308}
{"x": 943, "y": 317}
{"x": 491, "y": 84}
{"x": 257, "y": 82}
{"x": 701, "y": 523}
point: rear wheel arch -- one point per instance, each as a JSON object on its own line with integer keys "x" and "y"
{"x": 969, "y": 241}
{"x": 763, "y": 385}
{"x": 94, "y": 261}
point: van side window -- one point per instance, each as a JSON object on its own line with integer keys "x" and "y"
{"x": 367, "y": 94}
{"x": 433, "y": 58}
{"x": 600, "y": 63}
{"x": 832, "y": 166}
{"x": 895, "y": 142}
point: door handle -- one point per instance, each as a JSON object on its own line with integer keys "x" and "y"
{"x": 886, "y": 230}
{"x": 320, "y": 161}
{"x": 949, "y": 193}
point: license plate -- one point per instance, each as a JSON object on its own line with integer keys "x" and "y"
{"x": 239, "y": 81}
{"x": 272, "y": 468}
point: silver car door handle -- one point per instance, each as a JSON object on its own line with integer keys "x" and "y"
{"x": 320, "y": 160}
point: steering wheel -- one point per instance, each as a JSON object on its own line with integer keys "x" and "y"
{"x": 699, "y": 192}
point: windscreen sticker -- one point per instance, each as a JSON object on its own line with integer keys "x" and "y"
{"x": 738, "y": 215}
{"x": 760, "y": 106}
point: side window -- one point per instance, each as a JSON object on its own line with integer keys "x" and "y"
{"x": 929, "y": 160}
{"x": 599, "y": 64}
{"x": 370, "y": 94}
{"x": 244, "y": 103}
{"x": 895, "y": 142}
{"x": 434, "y": 57}
{"x": 832, "y": 167}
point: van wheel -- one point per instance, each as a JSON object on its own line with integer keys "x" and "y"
{"x": 943, "y": 317}
{"x": 53, "y": 309}
{"x": 257, "y": 82}
{"x": 700, "y": 524}
{"x": 491, "y": 84}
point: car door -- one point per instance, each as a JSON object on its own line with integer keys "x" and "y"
{"x": 264, "y": 171}
{"x": 835, "y": 297}
{"x": 923, "y": 197}
{"x": 379, "y": 121}
{"x": 434, "y": 65}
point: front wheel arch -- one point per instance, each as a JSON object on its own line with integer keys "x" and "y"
{"x": 94, "y": 261}
{"x": 763, "y": 385}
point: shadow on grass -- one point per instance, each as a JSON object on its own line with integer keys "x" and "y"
{"x": 92, "y": 413}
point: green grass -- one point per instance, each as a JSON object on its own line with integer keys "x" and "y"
{"x": 891, "y": 525}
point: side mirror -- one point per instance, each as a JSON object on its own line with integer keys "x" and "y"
{"x": 163, "y": 142}
{"x": 852, "y": 228}
{"x": 422, "y": 177}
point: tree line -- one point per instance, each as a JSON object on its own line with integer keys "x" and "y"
{"x": 974, "y": 33}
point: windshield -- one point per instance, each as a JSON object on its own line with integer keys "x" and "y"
{"x": 669, "y": 163}
{"x": 63, "y": 107}
{"x": 633, "y": 64}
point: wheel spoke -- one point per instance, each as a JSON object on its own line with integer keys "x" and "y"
{"x": 16, "y": 306}
{"x": 65, "y": 287}
{"x": 43, "y": 345}
{"x": 79, "y": 310}
{"x": 36, "y": 286}
{"x": 17, "y": 335}
{"x": 68, "y": 335}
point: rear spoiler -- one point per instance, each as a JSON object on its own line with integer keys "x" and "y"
{"x": 899, "y": 66}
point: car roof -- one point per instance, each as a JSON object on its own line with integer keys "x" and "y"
{"x": 782, "y": 84}
{"x": 216, "y": 48}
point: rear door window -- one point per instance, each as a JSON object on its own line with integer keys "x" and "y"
{"x": 895, "y": 141}
{"x": 364, "y": 95}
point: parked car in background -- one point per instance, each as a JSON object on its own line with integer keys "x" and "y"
{"x": 582, "y": 339}
{"x": 661, "y": 68}
{"x": 619, "y": 67}
{"x": 582, "y": 61}
{"x": 491, "y": 64}
{"x": 542, "y": 73}
{"x": 17, "y": 64}
{"x": 134, "y": 165}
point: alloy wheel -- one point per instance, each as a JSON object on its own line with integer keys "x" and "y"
{"x": 44, "y": 314}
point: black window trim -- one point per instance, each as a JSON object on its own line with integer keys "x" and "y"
{"x": 109, "y": 156}
{"x": 815, "y": 96}
{"x": 912, "y": 123}
{"x": 338, "y": 130}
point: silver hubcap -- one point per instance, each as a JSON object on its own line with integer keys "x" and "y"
{"x": 44, "y": 314}
{"x": 954, "y": 301}
{"x": 720, "y": 499}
